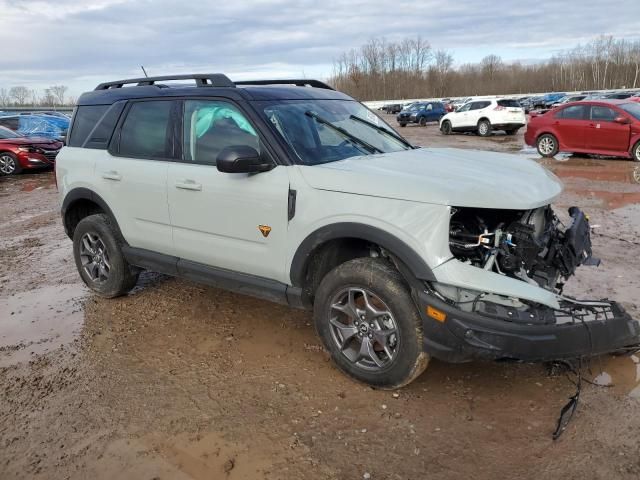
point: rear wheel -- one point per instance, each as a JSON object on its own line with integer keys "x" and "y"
{"x": 423, "y": 122}
{"x": 403, "y": 125}
{"x": 9, "y": 164}
{"x": 511, "y": 131}
{"x": 484, "y": 128}
{"x": 367, "y": 320}
{"x": 445, "y": 128}
{"x": 635, "y": 152}
{"x": 547, "y": 145}
{"x": 97, "y": 250}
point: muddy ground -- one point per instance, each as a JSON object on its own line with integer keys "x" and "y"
{"x": 179, "y": 381}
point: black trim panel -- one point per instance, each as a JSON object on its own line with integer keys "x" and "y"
{"x": 393, "y": 245}
{"x": 84, "y": 194}
{"x": 242, "y": 283}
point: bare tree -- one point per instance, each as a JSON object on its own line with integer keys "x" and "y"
{"x": 4, "y": 97}
{"x": 19, "y": 94}
{"x": 59, "y": 91}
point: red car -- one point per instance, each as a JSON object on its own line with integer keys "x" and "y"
{"x": 605, "y": 127}
{"x": 18, "y": 152}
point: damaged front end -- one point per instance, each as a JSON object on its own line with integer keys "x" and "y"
{"x": 537, "y": 248}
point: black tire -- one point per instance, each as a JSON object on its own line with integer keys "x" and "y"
{"x": 635, "y": 152}
{"x": 120, "y": 277}
{"x": 445, "y": 128}
{"x": 511, "y": 131}
{"x": 9, "y": 164}
{"x": 403, "y": 125}
{"x": 423, "y": 122}
{"x": 484, "y": 128}
{"x": 379, "y": 279}
{"x": 547, "y": 145}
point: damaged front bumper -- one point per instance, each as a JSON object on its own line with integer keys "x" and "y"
{"x": 497, "y": 332}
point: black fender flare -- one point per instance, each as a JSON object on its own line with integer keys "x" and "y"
{"x": 413, "y": 262}
{"x": 82, "y": 193}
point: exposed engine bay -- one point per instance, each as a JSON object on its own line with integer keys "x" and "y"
{"x": 533, "y": 245}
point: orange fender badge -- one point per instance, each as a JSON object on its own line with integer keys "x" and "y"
{"x": 265, "y": 230}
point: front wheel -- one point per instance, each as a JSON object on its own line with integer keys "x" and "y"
{"x": 97, "y": 250}
{"x": 511, "y": 131}
{"x": 484, "y": 128}
{"x": 403, "y": 125}
{"x": 366, "y": 319}
{"x": 635, "y": 152}
{"x": 445, "y": 128}
{"x": 547, "y": 145}
{"x": 9, "y": 164}
{"x": 423, "y": 122}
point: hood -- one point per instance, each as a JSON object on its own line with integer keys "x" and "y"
{"x": 444, "y": 176}
{"x": 42, "y": 141}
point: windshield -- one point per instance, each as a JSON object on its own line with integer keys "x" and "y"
{"x": 6, "y": 133}
{"x": 632, "y": 109}
{"x": 321, "y": 131}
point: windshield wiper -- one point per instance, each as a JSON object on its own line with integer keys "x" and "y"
{"x": 342, "y": 131}
{"x": 382, "y": 130}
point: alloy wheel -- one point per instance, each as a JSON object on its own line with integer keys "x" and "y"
{"x": 94, "y": 257}
{"x": 546, "y": 145}
{"x": 7, "y": 164}
{"x": 363, "y": 328}
{"x": 483, "y": 128}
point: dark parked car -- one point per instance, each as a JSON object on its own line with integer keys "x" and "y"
{"x": 392, "y": 108}
{"x": 421, "y": 113}
{"x": 19, "y": 152}
{"x": 603, "y": 127}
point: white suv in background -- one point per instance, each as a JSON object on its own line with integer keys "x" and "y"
{"x": 484, "y": 116}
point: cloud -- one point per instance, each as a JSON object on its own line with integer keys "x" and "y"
{"x": 83, "y": 43}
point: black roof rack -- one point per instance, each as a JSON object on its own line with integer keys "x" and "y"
{"x": 201, "y": 79}
{"x": 296, "y": 82}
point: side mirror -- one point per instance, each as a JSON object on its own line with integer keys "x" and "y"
{"x": 622, "y": 120}
{"x": 241, "y": 159}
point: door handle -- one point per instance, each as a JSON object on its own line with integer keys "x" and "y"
{"x": 189, "y": 185}
{"x": 112, "y": 175}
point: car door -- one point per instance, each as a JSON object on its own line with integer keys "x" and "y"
{"x": 475, "y": 112}
{"x": 131, "y": 176}
{"x": 605, "y": 134}
{"x": 460, "y": 118}
{"x": 570, "y": 124}
{"x": 232, "y": 221}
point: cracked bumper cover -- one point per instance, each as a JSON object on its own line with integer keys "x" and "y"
{"x": 464, "y": 336}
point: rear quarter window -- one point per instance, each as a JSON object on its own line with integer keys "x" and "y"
{"x": 84, "y": 121}
{"x": 509, "y": 103}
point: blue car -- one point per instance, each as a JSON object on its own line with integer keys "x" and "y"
{"x": 48, "y": 126}
{"x": 421, "y": 113}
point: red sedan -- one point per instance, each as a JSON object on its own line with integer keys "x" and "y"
{"x": 607, "y": 127}
{"x": 18, "y": 152}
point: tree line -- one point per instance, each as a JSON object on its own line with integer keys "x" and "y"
{"x": 21, "y": 96}
{"x": 411, "y": 68}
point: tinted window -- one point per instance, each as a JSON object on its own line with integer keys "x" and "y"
{"x": 145, "y": 130}
{"x": 575, "y": 112}
{"x": 12, "y": 123}
{"x": 602, "y": 113}
{"x": 85, "y": 120}
{"x": 632, "y": 109}
{"x": 465, "y": 108}
{"x": 509, "y": 103}
{"x": 211, "y": 126}
{"x": 479, "y": 105}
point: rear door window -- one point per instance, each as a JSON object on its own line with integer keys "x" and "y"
{"x": 603, "y": 114}
{"x": 146, "y": 132}
{"x": 572, "y": 112}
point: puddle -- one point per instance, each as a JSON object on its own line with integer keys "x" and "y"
{"x": 622, "y": 373}
{"x": 39, "y": 321}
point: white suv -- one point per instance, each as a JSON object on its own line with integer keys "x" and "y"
{"x": 291, "y": 191}
{"x": 484, "y": 116}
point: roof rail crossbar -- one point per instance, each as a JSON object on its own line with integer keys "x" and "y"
{"x": 201, "y": 79}
{"x": 296, "y": 82}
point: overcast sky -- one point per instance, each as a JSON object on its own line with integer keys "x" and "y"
{"x": 82, "y": 43}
